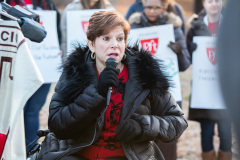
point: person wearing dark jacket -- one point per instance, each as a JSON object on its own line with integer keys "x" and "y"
{"x": 155, "y": 13}
{"x": 140, "y": 110}
{"x": 206, "y": 24}
{"x": 174, "y": 7}
{"x": 140, "y": 20}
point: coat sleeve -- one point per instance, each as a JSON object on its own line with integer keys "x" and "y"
{"x": 166, "y": 123}
{"x": 68, "y": 119}
{"x": 184, "y": 59}
{"x": 190, "y": 35}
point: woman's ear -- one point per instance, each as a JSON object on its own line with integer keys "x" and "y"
{"x": 91, "y": 46}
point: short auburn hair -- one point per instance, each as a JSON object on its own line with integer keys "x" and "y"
{"x": 103, "y": 22}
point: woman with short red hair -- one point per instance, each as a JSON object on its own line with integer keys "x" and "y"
{"x": 140, "y": 110}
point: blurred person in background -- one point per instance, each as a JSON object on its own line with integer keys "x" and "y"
{"x": 174, "y": 7}
{"x": 136, "y": 6}
{"x": 37, "y": 100}
{"x": 140, "y": 110}
{"x": 155, "y": 13}
{"x": 208, "y": 26}
{"x": 79, "y": 5}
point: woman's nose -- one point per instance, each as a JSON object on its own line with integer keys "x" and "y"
{"x": 114, "y": 44}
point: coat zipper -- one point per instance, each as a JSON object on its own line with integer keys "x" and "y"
{"x": 140, "y": 101}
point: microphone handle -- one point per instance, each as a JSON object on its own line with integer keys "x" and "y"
{"x": 109, "y": 95}
{"x": 111, "y": 62}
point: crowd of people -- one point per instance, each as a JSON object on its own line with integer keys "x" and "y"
{"x": 142, "y": 120}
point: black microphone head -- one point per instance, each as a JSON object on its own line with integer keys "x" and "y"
{"x": 111, "y": 62}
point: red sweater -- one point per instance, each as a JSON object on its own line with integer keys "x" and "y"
{"x": 213, "y": 27}
{"x": 107, "y": 146}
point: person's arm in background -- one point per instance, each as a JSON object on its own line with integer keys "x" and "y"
{"x": 190, "y": 44}
{"x": 63, "y": 27}
{"x": 51, "y": 6}
{"x": 182, "y": 54}
{"x": 180, "y": 14}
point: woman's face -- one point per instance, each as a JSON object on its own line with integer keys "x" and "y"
{"x": 153, "y": 9}
{"x": 213, "y": 7}
{"x": 111, "y": 45}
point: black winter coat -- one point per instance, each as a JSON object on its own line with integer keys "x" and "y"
{"x": 139, "y": 20}
{"x": 76, "y": 112}
{"x": 199, "y": 28}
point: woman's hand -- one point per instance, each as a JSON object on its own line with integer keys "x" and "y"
{"x": 193, "y": 47}
{"x": 128, "y": 130}
{"x": 107, "y": 78}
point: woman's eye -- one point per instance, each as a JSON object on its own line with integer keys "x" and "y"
{"x": 106, "y": 38}
{"x": 120, "y": 39}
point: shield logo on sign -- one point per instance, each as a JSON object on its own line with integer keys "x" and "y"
{"x": 3, "y": 138}
{"x": 211, "y": 53}
{"x": 150, "y": 45}
{"x": 85, "y": 25}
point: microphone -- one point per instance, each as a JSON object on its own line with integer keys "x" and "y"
{"x": 41, "y": 133}
{"x": 28, "y": 21}
{"x": 111, "y": 62}
{"x": 32, "y": 29}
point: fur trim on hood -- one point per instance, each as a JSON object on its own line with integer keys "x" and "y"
{"x": 191, "y": 20}
{"x": 135, "y": 18}
{"x": 170, "y": 18}
{"x": 174, "y": 19}
{"x": 80, "y": 72}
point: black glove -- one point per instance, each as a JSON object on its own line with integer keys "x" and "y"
{"x": 176, "y": 47}
{"x": 193, "y": 47}
{"x": 49, "y": 147}
{"x": 107, "y": 78}
{"x": 128, "y": 130}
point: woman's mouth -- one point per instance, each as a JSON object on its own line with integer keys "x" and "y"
{"x": 113, "y": 55}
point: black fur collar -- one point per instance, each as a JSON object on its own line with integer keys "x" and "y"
{"x": 142, "y": 68}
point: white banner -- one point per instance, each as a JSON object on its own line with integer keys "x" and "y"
{"x": 156, "y": 39}
{"x": 19, "y": 79}
{"x": 206, "y": 92}
{"x": 46, "y": 54}
{"x": 77, "y": 24}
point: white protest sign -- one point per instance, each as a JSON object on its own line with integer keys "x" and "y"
{"x": 156, "y": 39}
{"x": 77, "y": 24}
{"x": 206, "y": 92}
{"x": 46, "y": 54}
